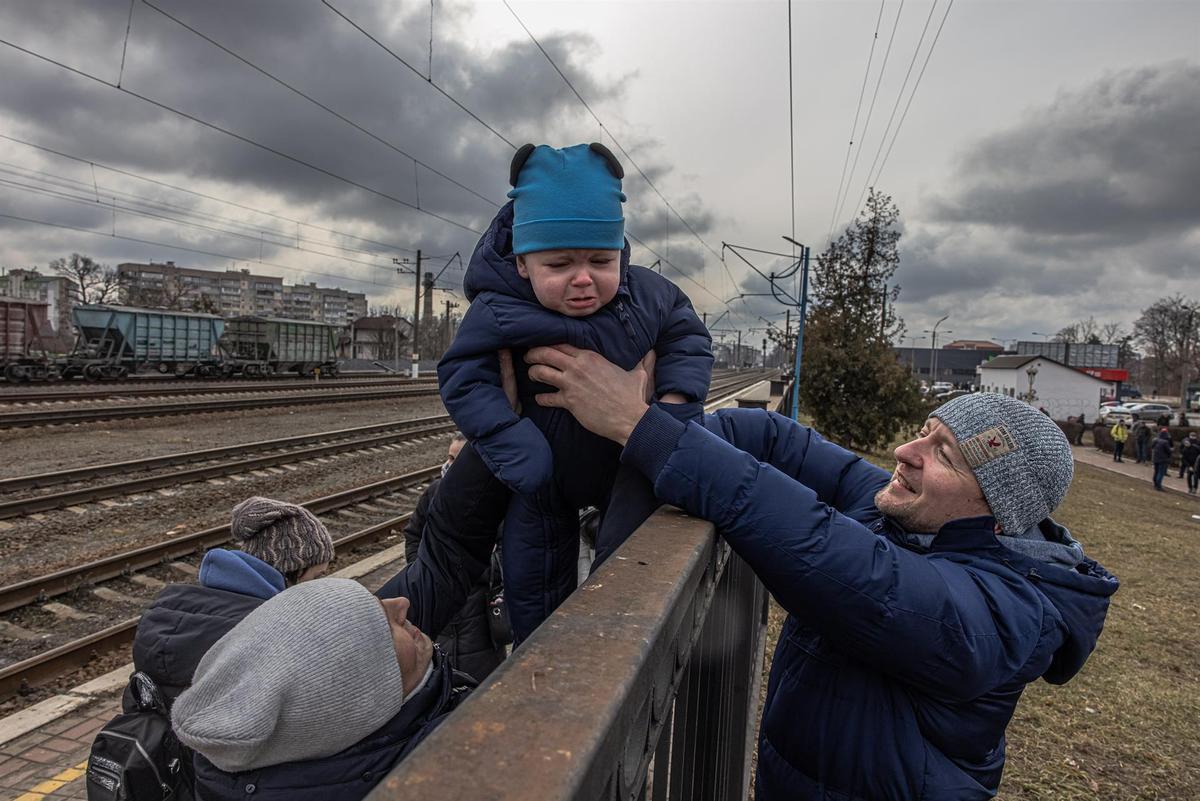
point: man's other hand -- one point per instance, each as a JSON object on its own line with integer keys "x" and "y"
{"x": 508, "y": 379}
{"x": 605, "y": 399}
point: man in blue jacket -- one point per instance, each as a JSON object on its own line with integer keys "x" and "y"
{"x": 920, "y": 603}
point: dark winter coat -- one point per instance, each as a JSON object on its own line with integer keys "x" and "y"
{"x": 453, "y": 554}
{"x": 1189, "y": 451}
{"x": 467, "y": 639}
{"x": 1163, "y": 448}
{"x": 898, "y": 667}
{"x": 648, "y": 312}
{"x": 185, "y": 620}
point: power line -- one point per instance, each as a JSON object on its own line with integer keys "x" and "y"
{"x": 417, "y": 72}
{"x": 791, "y": 123}
{"x": 920, "y": 75}
{"x": 899, "y": 96}
{"x": 870, "y": 110}
{"x": 87, "y": 201}
{"x": 605, "y": 129}
{"x": 508, "y": 142}
{"x": 386, "y": 143}
{"x": 176, "y": 187}
{"x": 239, "y": 137}
{"x": 671, "y": 264}
{"x": 73, "y": 184}
{"x": 854, "y": 126}
{"x": 184, "y": 248}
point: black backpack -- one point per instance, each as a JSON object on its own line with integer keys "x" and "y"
{"x": 136, "y": 756}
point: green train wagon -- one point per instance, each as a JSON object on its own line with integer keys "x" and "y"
{"x": 270, "y": 345}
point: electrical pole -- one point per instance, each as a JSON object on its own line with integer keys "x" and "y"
{"x": 705, "y": 314}
{"x": 933, "y": 349}
{"x": 416, "y": 320}
{"x": 737, "y": 358}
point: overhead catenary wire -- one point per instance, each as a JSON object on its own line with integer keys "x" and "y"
{"x": 870, "y": 112}
{"x": 920, "y": 75}
{"x": 240, "y": 137}
{"x": 509, "y": 142}
{"x": 72, "y": 184}
{"x": 854, "y": 126}
{"x": 187, "y": 249}
{"x": 607, "y": 130}
{"x": 255, "y": 237}
{"x": 895, "y": 106}
{"x": 271, "y": 76}
{"x": 206, "y": 196}
{"x": 428, "y": 79}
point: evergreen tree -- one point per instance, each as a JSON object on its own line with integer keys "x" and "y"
{"x": 851, "y": 383}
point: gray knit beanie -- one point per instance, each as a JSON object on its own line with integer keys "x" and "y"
{"x": 1020, "y": 457}
{"x": 310, "y": 672}
{"x": 285, "y": 536}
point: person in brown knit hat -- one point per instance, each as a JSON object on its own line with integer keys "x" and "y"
{"x": 286, "y": 536}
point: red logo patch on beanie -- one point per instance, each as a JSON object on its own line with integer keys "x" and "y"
{"x": 988, "y": 445}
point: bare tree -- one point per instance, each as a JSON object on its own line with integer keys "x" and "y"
{"x": 1169, "y": 330}
{"x": 97, "y": 282}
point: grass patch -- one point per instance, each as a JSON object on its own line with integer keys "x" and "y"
{"x": 1128, "y": 725}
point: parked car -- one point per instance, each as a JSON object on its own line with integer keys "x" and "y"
{"x": 939, "y": 387}
{"x": 1141, "y": 411}
{"x": 1107, "y": 408}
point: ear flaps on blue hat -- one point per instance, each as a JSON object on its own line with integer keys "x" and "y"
{"x": 514, "y": 169}
{"x": 603, "y": 152}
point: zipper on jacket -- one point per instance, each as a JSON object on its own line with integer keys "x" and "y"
{"x": 626, "y": 319}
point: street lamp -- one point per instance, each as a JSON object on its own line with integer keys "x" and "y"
{"x": 1046, "y": 337}
{"x": 933, "y": 349}
{"x": 1032, "y": 372}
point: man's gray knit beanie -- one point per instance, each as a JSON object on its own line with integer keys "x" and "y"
{"x": 285, "y": 536}
{"x": 1020, "y": 457}
{"x": 310, "y": 672}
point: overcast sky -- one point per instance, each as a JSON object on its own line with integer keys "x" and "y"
{"x": 1046, "y": 170}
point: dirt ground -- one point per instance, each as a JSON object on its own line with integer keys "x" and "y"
{"x": 1127, "y": 726}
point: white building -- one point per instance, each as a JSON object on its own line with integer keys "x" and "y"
{"x": 1060, "y": 390}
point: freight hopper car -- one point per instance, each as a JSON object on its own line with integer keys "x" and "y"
{"x": 23, "y": 356}
{"x": 260, "y": 346}
{"x": 113, "y": 341}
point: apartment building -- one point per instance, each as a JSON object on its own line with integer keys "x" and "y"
{"x": 229, "y": 293}
{"x": 334, "y": 306}
{"x": 61, "y": 293}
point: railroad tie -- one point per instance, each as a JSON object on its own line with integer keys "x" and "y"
{"x": 149, "y": 582}
{"x": 66, "y": 612}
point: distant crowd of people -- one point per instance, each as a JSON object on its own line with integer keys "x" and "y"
{"x": 1154, "y": 446}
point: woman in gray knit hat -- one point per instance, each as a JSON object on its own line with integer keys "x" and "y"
{"x": 281, "y": 545}
{"x": 318, "y": 692}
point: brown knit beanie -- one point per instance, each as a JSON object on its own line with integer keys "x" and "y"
{"x": 285, "y": 536}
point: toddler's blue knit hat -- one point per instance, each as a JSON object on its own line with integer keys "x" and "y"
{"x": 566, "y": 198}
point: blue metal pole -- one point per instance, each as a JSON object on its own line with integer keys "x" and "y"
{"x": 800, "y": 335}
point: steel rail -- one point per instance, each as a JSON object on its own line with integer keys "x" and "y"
{"x": 39, "y": 480}
{"x": 50, "y": 664}
{"x": 9, "y": 398}
{"x": 58, "y": 500}
{"x": 50, "y": 417}
{"x": 26, "y": 592}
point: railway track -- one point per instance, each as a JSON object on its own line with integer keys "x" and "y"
{"x": 248, "y": 387}
{"x": 61, "y": 416}
{"x": 224, "y": 460}
{"x": 392, "y": 498}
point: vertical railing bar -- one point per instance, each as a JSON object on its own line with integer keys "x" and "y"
{"x": 662, "y": 758}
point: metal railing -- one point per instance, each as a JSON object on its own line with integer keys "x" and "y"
{"x": 643, "y": 685}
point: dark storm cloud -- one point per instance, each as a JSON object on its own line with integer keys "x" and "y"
{"x": 508, "y": 84}
{"x": 1119, "y": 159}
{"x": 1089, "y": 199}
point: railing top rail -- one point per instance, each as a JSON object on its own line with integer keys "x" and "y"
{"x": 554, "y": 720}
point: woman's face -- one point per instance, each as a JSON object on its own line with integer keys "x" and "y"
{"x": 572, "y": 282}
{"x": 414, "y": 649}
